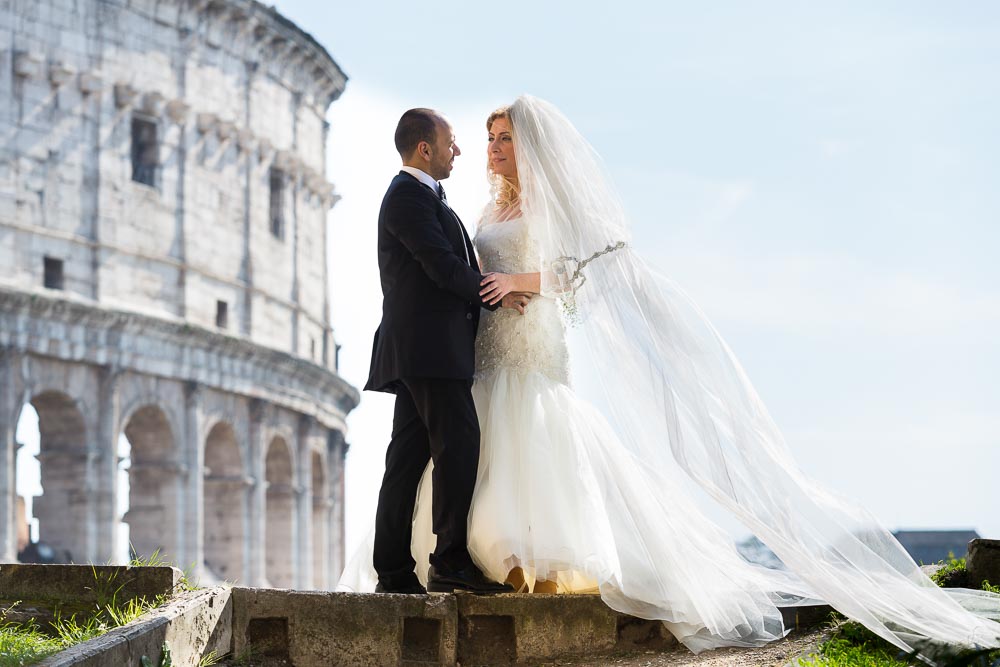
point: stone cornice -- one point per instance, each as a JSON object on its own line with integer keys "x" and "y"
{"x": 85, "y": 332}
{"x": 301, "y": 50}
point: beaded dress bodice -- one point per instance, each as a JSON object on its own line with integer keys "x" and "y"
{"x": 533, "y": 342}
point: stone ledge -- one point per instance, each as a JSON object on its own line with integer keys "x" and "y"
{"x": 193, "y": 625}
{"x": 82, "y": 583}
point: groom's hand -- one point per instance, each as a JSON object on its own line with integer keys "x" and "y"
{"x": 516, "y": 301}
{"x": 496, "y": 286}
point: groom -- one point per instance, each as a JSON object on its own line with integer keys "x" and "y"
{"x": 424, "y": 354}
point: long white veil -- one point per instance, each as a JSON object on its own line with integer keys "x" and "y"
{"x": 678, "y": 398}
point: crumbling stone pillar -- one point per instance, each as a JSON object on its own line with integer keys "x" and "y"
{"x": 336, "y": 451}
{"x": 304, "y": 504}
{"x": 191, "y": 505}
{"x": 256, "y": 497}
{"x": 9, "y": 410}
{"x": 106, "y": 462}
{"x": 320, "y": 523}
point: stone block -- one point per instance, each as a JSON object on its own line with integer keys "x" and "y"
{"x": 325, "y": 629}
{"x": 77, "y": 582}
{"x": 43, "y": 591}
{"x": 532, "y": 628}
{"x": 983, "y": 562}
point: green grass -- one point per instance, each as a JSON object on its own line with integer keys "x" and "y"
{"x": 854, "y": 645}
{"x": 209, "y": 659}
{"x": 953, "y": 568}
{"x": 25, "y": 644}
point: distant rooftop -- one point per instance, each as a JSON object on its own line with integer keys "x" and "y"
{"x": 924, "y": 546}
{"x": 931, "y": 546}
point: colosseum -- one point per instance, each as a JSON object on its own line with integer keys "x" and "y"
{"x": 163, "y": 235}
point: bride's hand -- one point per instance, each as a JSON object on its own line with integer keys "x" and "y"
{"x": 495, "y": 287}
{"x": 516, "y": 301}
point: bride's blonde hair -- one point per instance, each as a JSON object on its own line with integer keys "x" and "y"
{"x": 504, "y": 191}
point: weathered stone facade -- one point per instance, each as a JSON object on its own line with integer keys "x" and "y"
{"x": 163, "y": 275}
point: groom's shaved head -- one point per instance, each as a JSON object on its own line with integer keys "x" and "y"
{"x": 414, "y": 126}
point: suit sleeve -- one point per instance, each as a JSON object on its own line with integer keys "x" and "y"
{"x": 411, "y": 217}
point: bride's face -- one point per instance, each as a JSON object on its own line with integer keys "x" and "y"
{"x": 500, "y": 149}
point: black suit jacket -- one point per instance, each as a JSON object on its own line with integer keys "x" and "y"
{"x": 430, "y": 295}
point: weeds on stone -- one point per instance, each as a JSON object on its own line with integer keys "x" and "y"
{"x": 156, "y": 559}
{"x": 242, "y": 659}
{"x": 23, "y": 643}
{"x": 70, "y": 631}
{"x": 953, "y": 569}
{"x": 166, "y": 659}
{"x": 209, "y": 659}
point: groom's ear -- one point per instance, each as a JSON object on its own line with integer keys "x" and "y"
{"x": 424, "y": 150}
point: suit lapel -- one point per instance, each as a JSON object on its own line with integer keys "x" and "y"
{"x": 469, "y": 248}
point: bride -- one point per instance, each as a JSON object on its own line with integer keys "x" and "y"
{"x": 580, "y": 492}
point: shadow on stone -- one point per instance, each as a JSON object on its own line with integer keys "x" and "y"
{"x": 421, "y": 641}
{"x": 487, "y": 640}
{"x": 805, "y": 617}
{"x": 639, "y": 633}
{"x": 268, "y": 639}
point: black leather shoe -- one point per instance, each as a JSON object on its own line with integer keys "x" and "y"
{"x": 412, "y": 588}
{"x": 468, "y": 579}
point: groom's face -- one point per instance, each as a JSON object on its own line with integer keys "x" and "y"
{"x": 443, "y": 152}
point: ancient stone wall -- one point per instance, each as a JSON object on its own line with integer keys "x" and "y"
{"x": 162, "y": 236}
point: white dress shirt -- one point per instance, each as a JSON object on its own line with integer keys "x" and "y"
{"x": 421, "y": 176}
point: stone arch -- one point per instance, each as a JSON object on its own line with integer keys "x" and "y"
{"x": 279, "y": 552}
{"x": 161, "y": 399}
{"x": 155, "y": 484}
{"x": 320, "y": 521}
{"x": 226, "y": 484}
{"x": 64, "y": 510}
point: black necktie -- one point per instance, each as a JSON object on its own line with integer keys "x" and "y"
{"x": 441, "y": 194}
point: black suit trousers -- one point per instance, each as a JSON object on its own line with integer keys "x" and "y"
{"x": 435, "y": 419}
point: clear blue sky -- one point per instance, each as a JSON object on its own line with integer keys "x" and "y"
{"x": 822, "y": 180}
